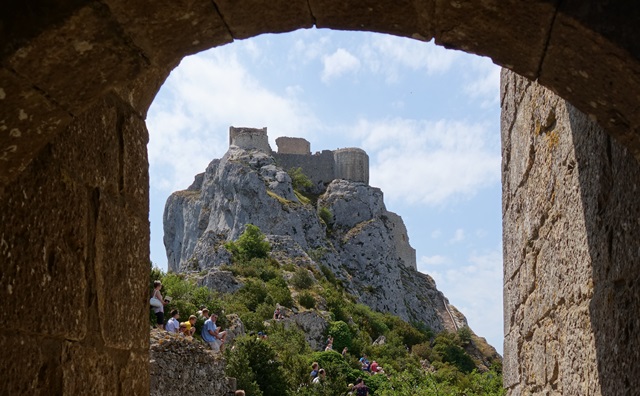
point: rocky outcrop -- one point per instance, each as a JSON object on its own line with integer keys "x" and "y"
{"x": 363, "y": 244}
{"x": 180, "y": 366}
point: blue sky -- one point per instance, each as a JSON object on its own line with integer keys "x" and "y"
{"x": 429, "y": 118}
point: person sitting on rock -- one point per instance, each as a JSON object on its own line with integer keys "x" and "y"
{"x": 205, "y": 314}
{"x": 173, "y": 324}
{"x": 212, "y": 335}
{"x": 183, "y": 330}
{"x": 192, "y": 323}
{"x": 277, "y": 314}
{"x": 374, "y": 367}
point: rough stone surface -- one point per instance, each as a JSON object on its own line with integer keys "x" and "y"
{"x": 221, "y": 281}
{"x": 59, "y": 59}
{"x": 180, "y": 366}
{"x": 368, "y": 248}
{"x": 571, "y": 233}
{"x": 313, "y": 324}
{"x": 66, "y": 217}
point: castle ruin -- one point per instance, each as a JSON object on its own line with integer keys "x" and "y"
{"x": 293, "y": 152}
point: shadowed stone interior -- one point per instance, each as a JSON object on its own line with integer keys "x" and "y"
{"x": 76, "y": 80}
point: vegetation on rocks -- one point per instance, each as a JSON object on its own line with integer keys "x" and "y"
{"x": 416, "y": 361}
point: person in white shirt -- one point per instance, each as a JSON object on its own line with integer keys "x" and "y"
{"x": 173, "y": 324}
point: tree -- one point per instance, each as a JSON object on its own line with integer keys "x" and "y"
{"x": 251, "y": 244}
{"x": 254, "y": 362}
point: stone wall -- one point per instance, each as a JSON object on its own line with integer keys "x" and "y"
{"x": 571, "y": 229}
{"x": 249, "y": 138}
{"x": 74, "y": 252}
{"x": 352, "y": 164}
{"x": 292, "y": 145}
{"x": 319, "y": 167}
{"x": 180, "y": 366}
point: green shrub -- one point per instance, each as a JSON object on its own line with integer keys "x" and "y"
{"x": 254, "y": 362}
{"x": 306, "y": 300}
{"x": 335, "y": 365}
{"x": 326, "y": 216}
{"x": 279, "y": 293}
{"x": 251, "y": 244}
{"x": 301, "y": 279}
{"x": 341, "y": 334}
{"x": 447, "y": 349}
{"x": 464, "y": 334}
{"x": 423, "y": 350}
{"x": 252, "y": 294}
{"x": 299, "y": 181}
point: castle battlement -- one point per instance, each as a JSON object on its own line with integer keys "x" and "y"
{"x": 293, "y": 152}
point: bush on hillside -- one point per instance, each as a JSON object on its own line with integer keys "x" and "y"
{"x": 299, "y": 181}
{"x": 254, "y": 362}
{"x": 301, "y": 279}
{"x": 306, "y": 300}
{"x": 251, "y": 244}
{"x": 341, "y": 334}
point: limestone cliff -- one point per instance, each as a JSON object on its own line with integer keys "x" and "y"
{"x": 365, "y": 245}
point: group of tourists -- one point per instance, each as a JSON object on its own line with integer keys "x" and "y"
{"x": 211, "y": 333}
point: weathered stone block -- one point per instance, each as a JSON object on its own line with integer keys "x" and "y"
{"x": 595, "y": 73}
{"x": 78, "y": 61}
{"x": 43, "y": 250}
{"x": 26, "y": 126}
{"x": 505, "y": 26}
{"x": 87, "y": 370}
{"x": 169, "y": 32}
{"x": 134, "y": 163}
{"x": 409, "y": 18}
{"x": 122, "y": 273}
{"x": 29, "y": 365}
{"x": 252, "y": 17}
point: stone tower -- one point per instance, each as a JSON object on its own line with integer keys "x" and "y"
{"x": 249, "y": 138}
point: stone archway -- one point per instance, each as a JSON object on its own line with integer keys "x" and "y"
{"x": 75, "y": 83}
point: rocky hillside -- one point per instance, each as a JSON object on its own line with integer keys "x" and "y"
{"x": 347, "y": 229}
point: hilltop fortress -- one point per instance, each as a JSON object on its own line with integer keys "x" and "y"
{"x": 322, "y": 167}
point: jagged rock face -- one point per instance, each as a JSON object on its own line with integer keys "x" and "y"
{"x": 244, "y": 187}
{"x": 365, "y": 245}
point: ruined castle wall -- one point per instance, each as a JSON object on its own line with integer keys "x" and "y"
{"x": 571, "y": 235}
{"x": 319, "y": 167}
{"x": 74, "y": 253}
{"x": 352, "y": 164}
{"x": 249, "y": 138}
{"x": 292, "y": 145}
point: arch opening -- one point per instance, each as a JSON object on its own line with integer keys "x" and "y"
{"x": 427, "y": 117}
{"x": 78, "y": 79}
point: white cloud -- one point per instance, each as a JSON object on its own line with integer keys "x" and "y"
{"x": 485, "y": 81}
{"x": 435, "y": 234}
{"x": 426, "y": 262}
{"x": 458, "y": 236}
{"x": 425, "y": 162}
{"x": 339, "y": 63}
{"x": 389, "y": 55}
{"x": 190, "y": 118}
